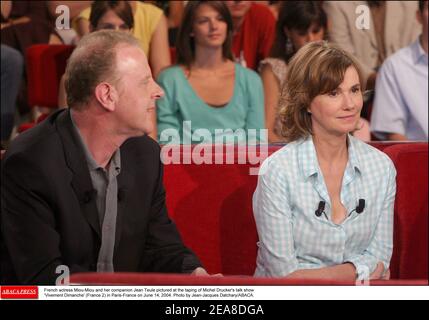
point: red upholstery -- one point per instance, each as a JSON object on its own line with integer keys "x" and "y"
{"x": 410, "y": 257}
{"x": 45, "y": 66}
{"x": 179, "y": 280}
{"x": 212, "y": 207}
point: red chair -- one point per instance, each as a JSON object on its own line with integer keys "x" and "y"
{"x": 410, "y": 253}
{"x": 45, "y": 66}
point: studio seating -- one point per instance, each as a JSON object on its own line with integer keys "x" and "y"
{"x": 45, "y": 66}
{"x": 212, "y": 207}
{"x": 410, "y": 255}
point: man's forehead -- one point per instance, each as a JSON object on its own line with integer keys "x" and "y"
{"x": 132, "y": 57}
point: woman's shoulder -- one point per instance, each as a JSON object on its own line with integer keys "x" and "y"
{"x": 282, "y": 159}
{"x": 371, "y": 156}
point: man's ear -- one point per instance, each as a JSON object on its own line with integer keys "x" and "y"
{"x": 107, "y": 96}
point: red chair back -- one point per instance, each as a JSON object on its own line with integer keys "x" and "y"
{"x": 45, "y": 66}
{"x": 410, "y": 252}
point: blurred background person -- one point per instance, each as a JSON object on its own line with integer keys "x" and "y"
{"x": 274, "y": 6}
{"x": 299, "y": 22}
{"x": 23, "y": 24}
{"x": 207, "y": 87}
{"x": 401, "y": 97}
{"x": 150, "y": 28}
{"x": 254, "y": 28}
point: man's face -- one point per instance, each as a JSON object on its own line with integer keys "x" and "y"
{"x": 137, "y": 92}
{"x": 238, "y": 9}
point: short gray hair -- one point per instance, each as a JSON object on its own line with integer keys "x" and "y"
{"x": 93, "y": 61}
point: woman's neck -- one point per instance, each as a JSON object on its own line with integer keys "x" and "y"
{"x": 208, "y": 58}
{"x": 331, "y": 149}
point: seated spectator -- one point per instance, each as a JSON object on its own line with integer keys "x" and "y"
{"x": 12, "y": 64}
{"x": 323, "y": 206}
{"x": 299, "y": 22}
{"x": 206, "y": 87}
{"x": 273, "y": 5}
{"x": 150, "y": 28}
{"x": 23, "y": 24}
{"x": 401, "y": 98}
{"x": 254, "y": 27}
{"x": 391, "y": 27}
{"x": 84, "y": 189}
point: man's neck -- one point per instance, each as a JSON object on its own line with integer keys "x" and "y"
{"x": 98, "y": 138}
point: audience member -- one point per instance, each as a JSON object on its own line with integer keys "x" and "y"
{"x": 150, "y": 28}
{"x": 254, "y": 28}
{"x": 12, "y": 64}
{"x": 207, "y": 88}
{"x": 299, "y": 22}
{"x": 324, "y": 203}
{"x": 84, "y": 189}
{"x": 23, "y": 24}
{"x": 391, "y": 27}
{"x": 401, "y": 97}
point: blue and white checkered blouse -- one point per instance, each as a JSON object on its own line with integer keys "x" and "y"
{"x": 292, "y": 237}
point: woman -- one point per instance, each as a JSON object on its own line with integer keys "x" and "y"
{"x": 150, "y": 28}
{"x": 299, "y": 22}
{"x": 207, "y": 88}
{"x": 324, "y": 203}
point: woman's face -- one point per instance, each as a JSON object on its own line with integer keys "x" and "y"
{"x": 338, "y": 112}
{"x": 209, "y": 29}
{"x": 111, "y": 21}
{"x": 300, "y": 38}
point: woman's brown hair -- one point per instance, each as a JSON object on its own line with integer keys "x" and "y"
{"x": 317, "y": 68}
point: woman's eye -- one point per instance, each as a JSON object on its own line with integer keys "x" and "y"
{"x": 356, "y": 90}
{"x": 333, "y": 93}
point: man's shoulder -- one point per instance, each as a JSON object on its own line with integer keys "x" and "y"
{"x": 37, "y": 142}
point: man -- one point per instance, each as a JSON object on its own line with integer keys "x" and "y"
{"x": 84, "y": 188}
{"x": 254, "y": 31}
{"x": 400, "y": 109}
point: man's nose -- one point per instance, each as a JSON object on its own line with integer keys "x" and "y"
{"x": 158, "y": 93}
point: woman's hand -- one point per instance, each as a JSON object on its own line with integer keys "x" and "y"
{"x": 378, "y": 273}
